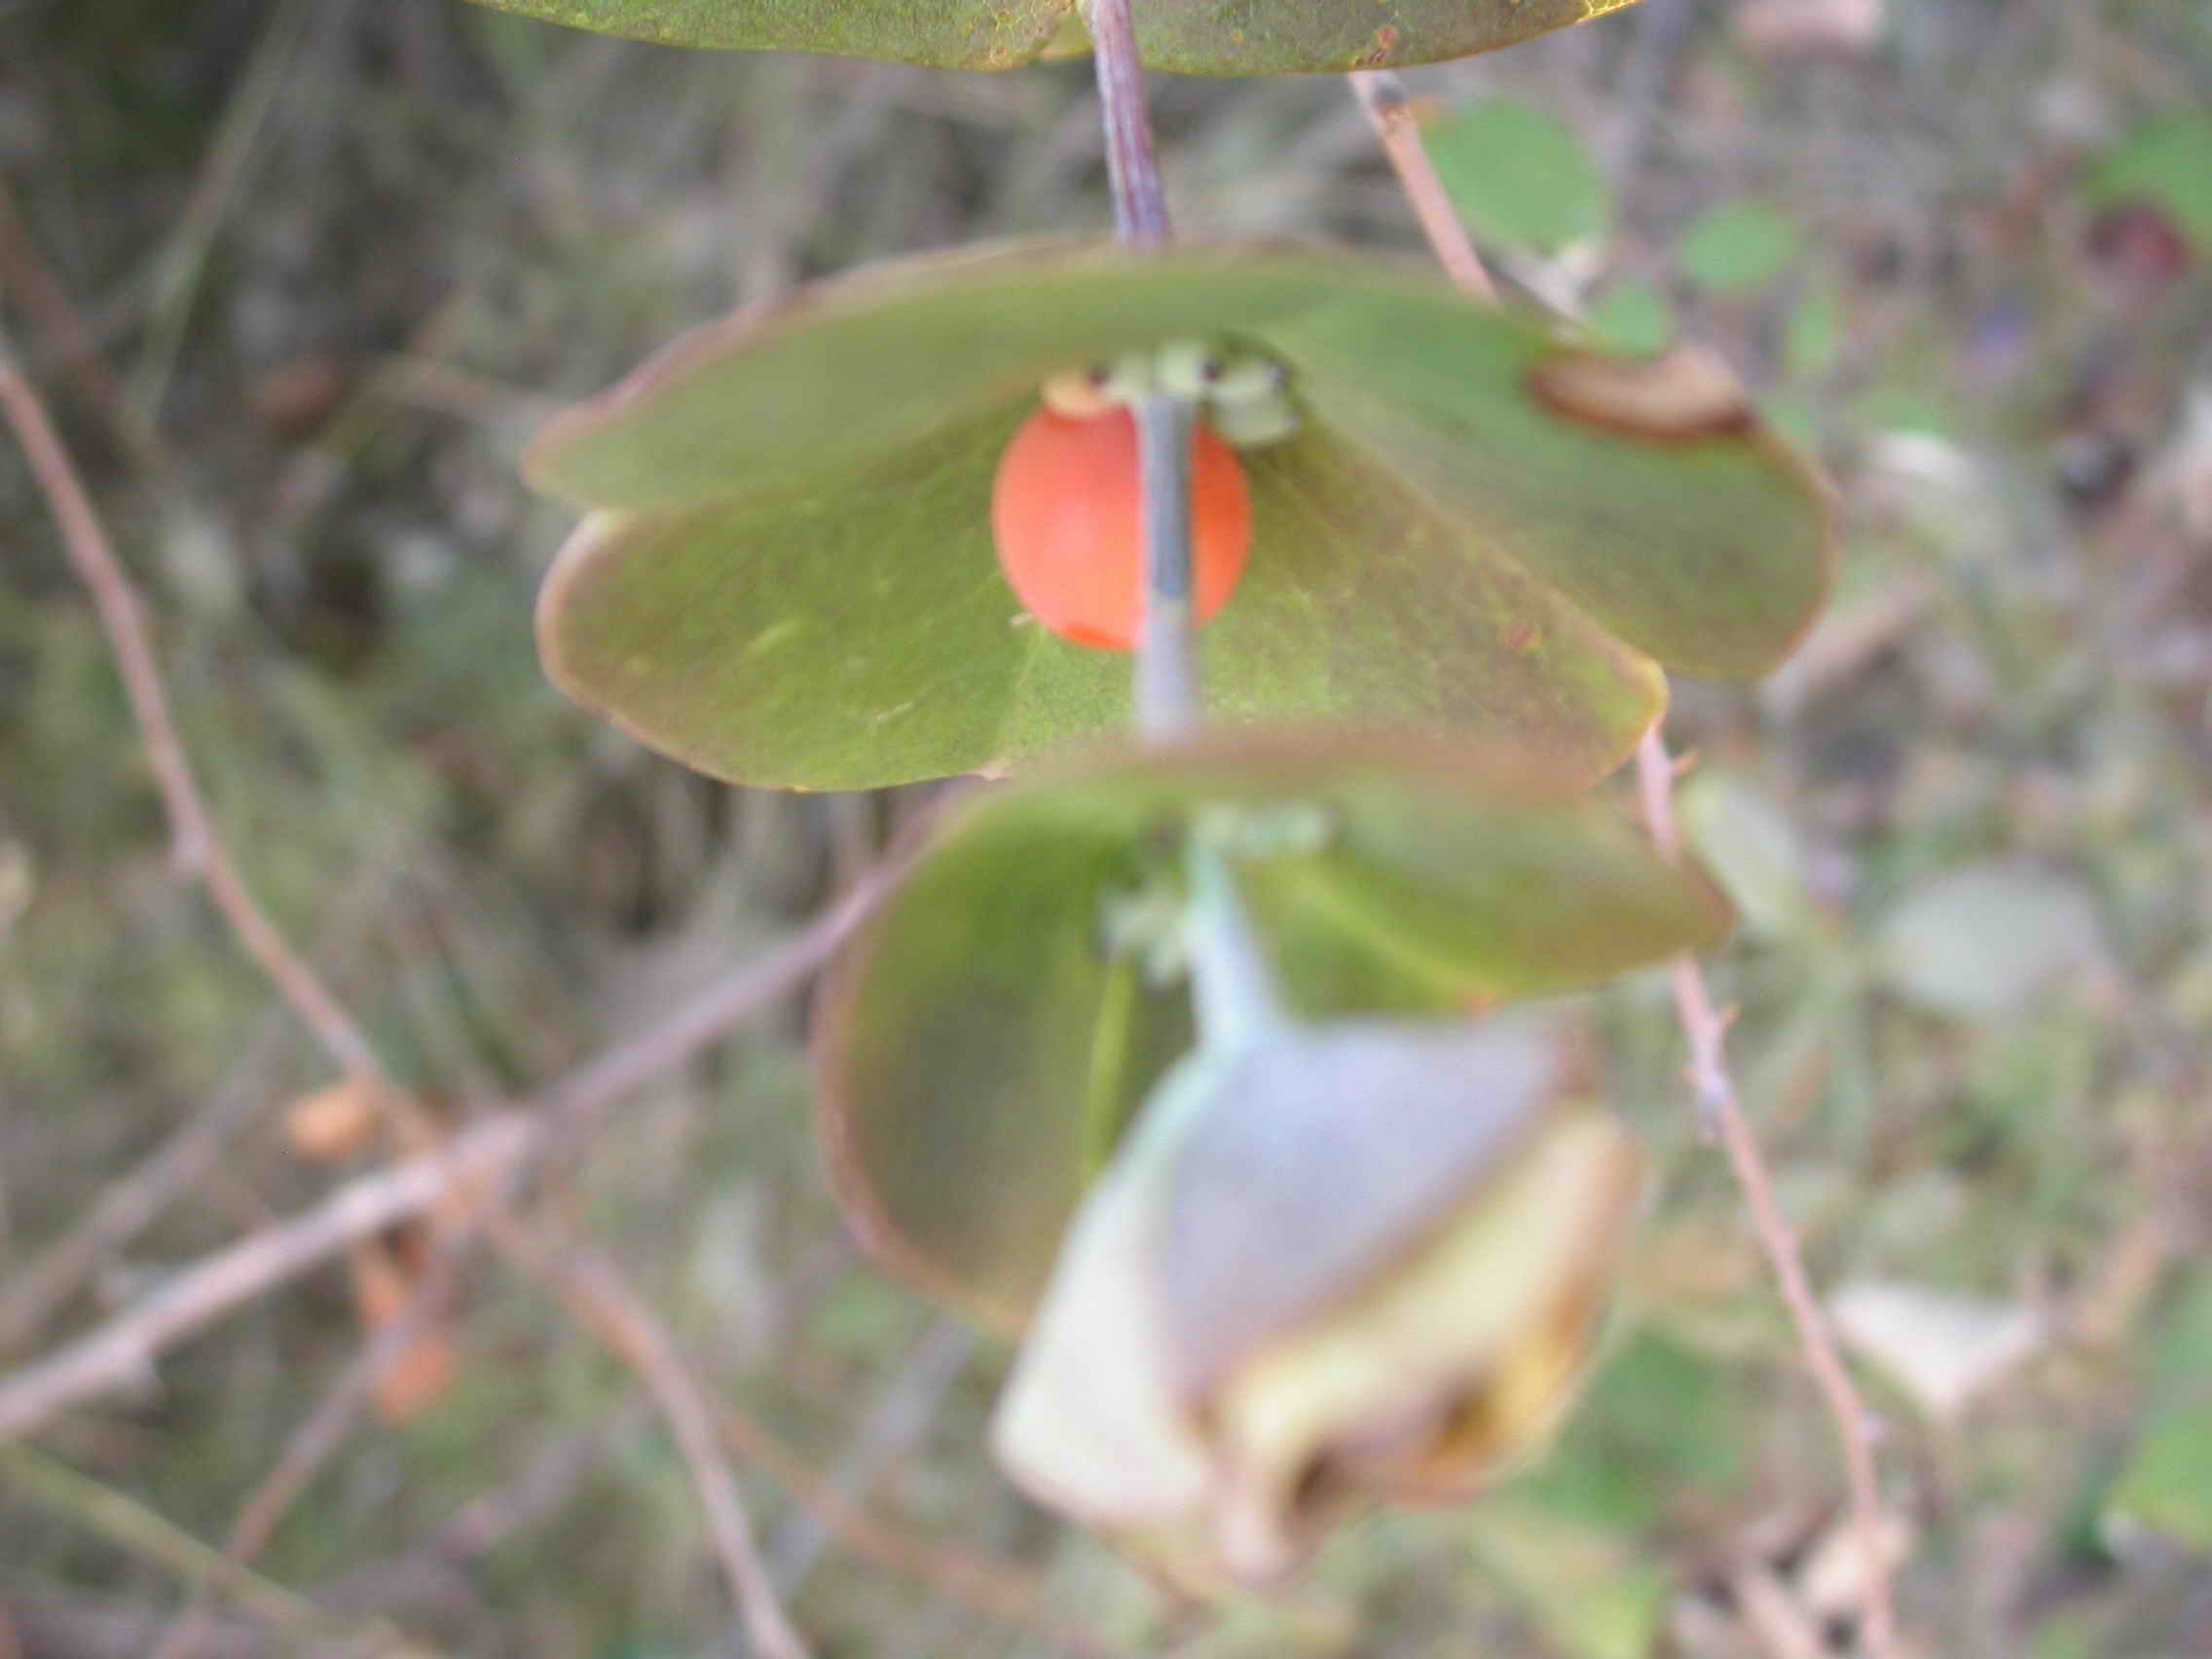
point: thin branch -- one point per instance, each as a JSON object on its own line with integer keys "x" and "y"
{"x": 901, "y": 1414}
{"x": 183, "y": 260}
{"x": 1168, "y": 700}
{"x": 576, "y": 1102}
{"x": 596, "y": 1294}
{"x": 33, "y": 1292}
{"x": 123, "y": 1350}
{"x": 121, "y": 1353}
{"x": 1717, "y": 1105}
{"x": 1383, "y": 96}
{"x": 994, "y": 1590}
{"x": 69, "y": 339}
{"x": 128, "y": 1525}
{"x": 557, "y": 1469}
{"x": 198, "y": 848}
{"x": 1702, "y": 1024}
{"x": 318, "y": 1438}
{"x": 1133, "y": 168}
{"x": 1234, "y": 991}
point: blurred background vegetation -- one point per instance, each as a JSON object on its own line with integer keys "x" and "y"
{"x": 332, "y": 262}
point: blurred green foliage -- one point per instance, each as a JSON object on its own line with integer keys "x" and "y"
{"x": 1519, "y": 173}
{"x": 1738, "y": 244}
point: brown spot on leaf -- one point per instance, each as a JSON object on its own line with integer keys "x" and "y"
{"x": 1686, "y": 393}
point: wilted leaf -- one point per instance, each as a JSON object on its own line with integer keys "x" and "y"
{"x": 1944, "y": 1349}
{"x": 1262, "y": 37}
{"x": 982, "y": 1047}
{"x": 1981, "y": 941}
{"x": 1736, "y": 246}
{"x": 387, "y": 1273}
{"x": 1227, "y": 1360}
{"x": 1327, "y": 1153}
{"x": 1520, "y": 174}
{"x": 789, "y": 581}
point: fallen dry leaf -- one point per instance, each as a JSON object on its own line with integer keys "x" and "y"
{"x": 1942, "y": 1349}
{"x": 385, "y": 1276}
{"x": 332, "y": 1123}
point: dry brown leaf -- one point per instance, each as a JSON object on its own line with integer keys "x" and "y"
{"x": 332, "y": 1123}
{"x": 385, "y": 1276}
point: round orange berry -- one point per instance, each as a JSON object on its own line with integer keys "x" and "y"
{"x": 1068, "y": 518}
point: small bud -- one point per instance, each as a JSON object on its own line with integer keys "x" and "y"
{"x": 1080, "y": 394}
{"x": 1249, "y": 403}
{"x": 1186, "y": 369}
{"x": 1130, "y": 375}
{"x": 1256, "y": 424}
{"x": 1246, "y": 379}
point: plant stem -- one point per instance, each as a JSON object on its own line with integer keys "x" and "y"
{"x": 197, "y": 848}
{"x": 1381, "y": 96}
{"x": 1133, "y": 170}
{"x": 1232, "y": 982}
{"x": 129, "y": 1526}
{"x": 1167, "y": 696}
{"x": 1168, "y": 699}
{"x": 1720, "y": 1113}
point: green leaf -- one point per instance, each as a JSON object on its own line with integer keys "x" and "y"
{"x": 1981, "y": 941}
{"x": 1754, "y": 852}
{"x": 2166, "y": 1487}
{"x": 2182, "y": 1357}
{"x": 1633, "y": 318}
{"x": 1520, "y": 174}
{"x": 1894, "y": 406}
{"x": 1738, "y": 246}
{"x": 1815, "y": 335}
{"x": 980, "y": 1049}
{"x": 789, "y": 579}
{"x": 1196, "y": 37}
{"x": 1585, "y": 1588}
{"x": 2167, "y": 158}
